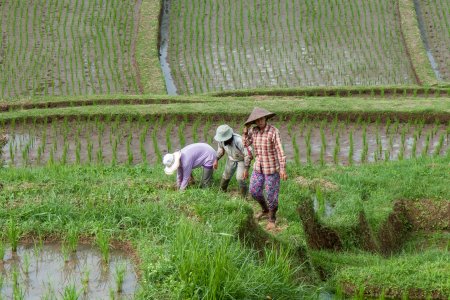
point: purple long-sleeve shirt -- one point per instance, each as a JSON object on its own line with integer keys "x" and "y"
{"x": 194, "y": 156}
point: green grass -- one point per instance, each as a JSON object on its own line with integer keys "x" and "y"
{"x": 405, "y": 108}
{"x": 424, "y": 272}
{"x": 173, "y": 232}
{"x": 147, "y": 50}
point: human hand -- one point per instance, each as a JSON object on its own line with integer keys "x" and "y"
{"x": 245, "y": 130}
{"x": 283, "y": 175}
{"x": 215, "y": 165}
{"x": 245, "y": 175}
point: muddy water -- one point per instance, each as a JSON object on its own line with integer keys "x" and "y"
{"x": 44, "y": 273}
{"x": 133, "y": 142}
{"x": 170, "y": 85}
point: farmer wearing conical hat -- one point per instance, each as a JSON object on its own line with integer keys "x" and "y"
{"x": 188, "y": 158}
{"x": 270, "y": 162}
{"x": 238, "y": 161}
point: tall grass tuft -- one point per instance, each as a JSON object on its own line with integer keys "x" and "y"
{"x": 216, "y": 267}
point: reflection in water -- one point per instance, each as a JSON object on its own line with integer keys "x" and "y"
{"x": 322, "y": 207}
{"x": 45, "y": 272}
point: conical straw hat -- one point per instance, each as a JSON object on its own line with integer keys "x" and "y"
{"x": 258, "y": 113}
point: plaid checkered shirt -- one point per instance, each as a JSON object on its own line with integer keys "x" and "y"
{"x": 268, "y": 149}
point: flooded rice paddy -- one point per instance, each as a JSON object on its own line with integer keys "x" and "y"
{"x": 131, "y": 142}
{"x": 46, "y": 272}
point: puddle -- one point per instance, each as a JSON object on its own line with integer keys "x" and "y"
{"x": 44, "y": 273}
{"x": 324, "y": 209}
{"x": 163, "y": 50}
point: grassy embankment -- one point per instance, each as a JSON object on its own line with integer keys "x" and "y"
{"x": 427, "y": 108}
{"x": 147, "y": 51}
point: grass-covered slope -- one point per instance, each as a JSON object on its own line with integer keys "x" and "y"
{"x": 418, "y": 264}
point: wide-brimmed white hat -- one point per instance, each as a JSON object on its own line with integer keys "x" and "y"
{"x": 172, "y": 162}
{"x": 223, "y": 133}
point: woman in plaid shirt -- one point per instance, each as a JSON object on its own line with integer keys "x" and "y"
{"x": 270, "y": 162}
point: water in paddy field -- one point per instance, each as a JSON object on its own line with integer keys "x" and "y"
{"x": 433, "y": 63}
{"x": 170, "y": 85}
{"x": 134, "y": 142}
{"x": 44, "y": 272}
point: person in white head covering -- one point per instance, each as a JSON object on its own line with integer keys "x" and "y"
{"x": 188, "y": 158}
{"x": 239, "y": 158}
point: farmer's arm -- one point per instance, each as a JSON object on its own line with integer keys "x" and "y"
{"x": 186, "y": 174}
{"x": 247, "y": 152}
{"x": 247, "y": 136}
{"x": 220, "y": 151}
{"x": 280, "y": 154}
{"x": 248, "y": 156}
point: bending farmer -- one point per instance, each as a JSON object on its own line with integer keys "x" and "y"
{"x": 238, "y": 161}
{"x": 188, "y": 158}
{"x": 270, "y": 162}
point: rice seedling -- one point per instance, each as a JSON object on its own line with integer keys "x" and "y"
{"x": 72, "y": 237}
{"x": 440, "y": 144}
{"x": 85, "y": 280}
{"x": 129, "y": 150}
{"x": 142, "y": 147}
{"x": 427, "y": 145}
{"x": 414, "y": 146}
{"x": 155, "y": 144}
{"x": 26, "y": 263}
{"x": 195, "y": 127}
{"x": 65, "y": 251}
{"x": 102, "y": 241}
{"x": 308, "y": 146}
{"x": 18, "y": 293}
{"x": 296, "y": 150}
{"x": 337, "y": 149}
{"x": 120, "y": 270}
{"x": 168, "y": 136}
{"x": 351, "y": 147}
{"x": 181, "y": 135}
{"x": 70, "y": 292}
{"x": 2, "y": 251}
{"x": 14, "y": 234}
{"x": 365, "y": 149}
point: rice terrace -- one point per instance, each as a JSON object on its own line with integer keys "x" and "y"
{"x": 98, "y": 96}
